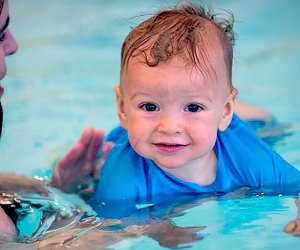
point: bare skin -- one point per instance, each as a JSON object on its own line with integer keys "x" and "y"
{"x": 80, "y": 164}
{"x": 11, "y": 183}
{"x": 293, "y": 227}
{"x": 247, "y": 111}
{"x": 8, "y": 229}
{"x": 79, "y": 161}
{"x": 14, "y": 183}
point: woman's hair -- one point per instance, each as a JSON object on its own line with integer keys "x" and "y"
{"x": 180, "y": 31}
{"x": 1, "y": 5}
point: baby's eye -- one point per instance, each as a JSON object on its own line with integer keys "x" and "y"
{"x": 149, "y": 107}
{"x": 193, "y": 108}
{"x": 2, "y": 36}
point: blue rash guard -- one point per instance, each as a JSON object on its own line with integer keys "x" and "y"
{"x": 243, "y": 160}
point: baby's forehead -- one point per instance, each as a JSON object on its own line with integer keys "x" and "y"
{"x": 206, "y": 59}
{"x": 177, "y": 69}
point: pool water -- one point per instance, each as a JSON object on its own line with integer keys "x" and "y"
{"x": 62, "y": 79}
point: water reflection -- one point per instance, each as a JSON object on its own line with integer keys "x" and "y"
{"x": 239, "y": 215}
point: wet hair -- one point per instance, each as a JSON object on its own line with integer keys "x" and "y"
{"x": 182, "y": 31}
{"x": 1, "y": 5}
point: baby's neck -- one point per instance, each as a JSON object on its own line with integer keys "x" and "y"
{"x": 200, "y": 171}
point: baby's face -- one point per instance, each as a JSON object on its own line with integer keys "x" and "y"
{"x": 172, "y": 113}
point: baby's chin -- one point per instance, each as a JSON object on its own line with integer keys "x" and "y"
{"x": 165, "y": 165}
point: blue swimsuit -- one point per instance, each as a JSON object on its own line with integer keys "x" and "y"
{"x": 243, "y": 160}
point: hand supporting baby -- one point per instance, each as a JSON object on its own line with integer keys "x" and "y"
{"x": 81, "y": 165}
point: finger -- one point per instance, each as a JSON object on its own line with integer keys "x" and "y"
{"x": 77, "y": 150}
{"x": 87, "y": 135}
{"x": 290, "y": 227}
{"x": 298, "y": 224}
{"x": 83, "y": 145}
{"x": 95, "y": 146}
{"x": 107, "y": 147}
{"x": 62, "y": 169}
{"x": 71, "y": 156}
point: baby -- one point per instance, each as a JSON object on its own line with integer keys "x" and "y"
{"x": 179, "y": 133}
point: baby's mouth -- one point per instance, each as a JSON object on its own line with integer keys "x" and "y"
{"x": 170, "y": 148}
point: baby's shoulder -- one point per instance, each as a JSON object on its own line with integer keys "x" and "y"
{"x": 117, "y": 135}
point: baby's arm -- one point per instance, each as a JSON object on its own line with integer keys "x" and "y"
{"x": 293, "y": 227}
{"x": 80, "y": 164}
{"x": 247, "y": 111}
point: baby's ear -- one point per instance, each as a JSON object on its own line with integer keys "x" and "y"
{"x": 120, "y": 104}
{"x": 228, "y": 111}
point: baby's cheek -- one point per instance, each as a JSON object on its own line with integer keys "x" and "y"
{"x": 137, "y": 145}
{"x": 134, "y": 142}
{"x": 206, "y": 137}
{"x": 134, "y": 138}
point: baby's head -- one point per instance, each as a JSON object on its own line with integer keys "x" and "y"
{"x": 175, "y": 89}
{"x": 188, "y": 31}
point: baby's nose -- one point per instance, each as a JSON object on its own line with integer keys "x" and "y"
{"x": 170, "y": 125}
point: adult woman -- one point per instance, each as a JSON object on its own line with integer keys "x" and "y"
{"x": 79, "y": 161}
{"x": 8, "y": 46}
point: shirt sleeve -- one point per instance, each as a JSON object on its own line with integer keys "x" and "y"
{"x": 117, "y": 135}
{"x": 252, "y": 161}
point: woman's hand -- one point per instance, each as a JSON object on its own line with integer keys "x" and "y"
{"x": 80, "y": 165}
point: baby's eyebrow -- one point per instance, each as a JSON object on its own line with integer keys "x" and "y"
{"x": 5, "y": 25}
